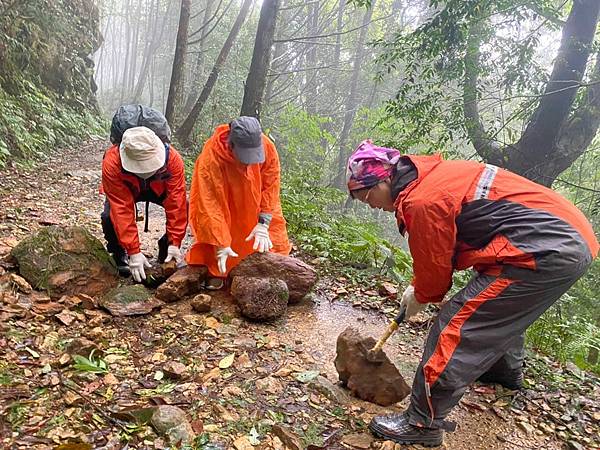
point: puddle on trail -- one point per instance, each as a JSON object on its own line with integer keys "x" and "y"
{"x": 315, "y": 327}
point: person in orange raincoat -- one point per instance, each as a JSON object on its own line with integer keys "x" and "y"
{"x": 235, "y": 208}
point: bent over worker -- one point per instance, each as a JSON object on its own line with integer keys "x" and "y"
{"x": 142, "y": 168}
{"x": 235, "y": 208}
{"x": 527, "y": 244}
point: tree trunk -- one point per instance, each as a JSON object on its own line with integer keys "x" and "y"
{"x": 185, "y": 130}
{"x": 199, "y": 67}
{"x": 311, "y": 59}
{"x": 179, "y": 60}
{"x": 261, "y": 57}
{"x": 554, "y": 137}
{"x": 352, "y": 99}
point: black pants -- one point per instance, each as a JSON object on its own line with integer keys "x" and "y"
{"x": 112, "y": 241}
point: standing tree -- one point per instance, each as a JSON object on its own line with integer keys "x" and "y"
{"x": 261, "y": 57}
{"x": 538, "y": 123}
{"x": 184, "y": 132}
{"x": 352, "y": 101}
{"x": 175, "y": 87}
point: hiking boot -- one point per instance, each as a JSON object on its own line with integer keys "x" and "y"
{"x": 512, "y": 380}
{"x": 395, "y": 427}
{"x": 163, "y": 248}
{"x": 122, "y": 263}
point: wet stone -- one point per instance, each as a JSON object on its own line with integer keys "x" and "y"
{"x": 375, "y": 379}
{"x": 261, "y": 299}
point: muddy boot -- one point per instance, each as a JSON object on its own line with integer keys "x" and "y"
{"x": 163, "y": 248}
{"x": 395, "y": 427}
{"x": 512, "y": 380}
{"x": 122, "y": 263}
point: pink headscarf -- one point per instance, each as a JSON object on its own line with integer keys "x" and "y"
{"x": 369, "y": 165}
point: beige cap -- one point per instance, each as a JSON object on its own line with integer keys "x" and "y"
{"x": 141, "y": 150}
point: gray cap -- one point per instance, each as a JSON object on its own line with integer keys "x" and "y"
{"x": 245, "y": 137}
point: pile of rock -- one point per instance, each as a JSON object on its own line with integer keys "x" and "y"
{"x": 264, "y": 283}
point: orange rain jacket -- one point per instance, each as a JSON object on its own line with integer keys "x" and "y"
{"x": 123, "y": 189}
{"x": 226, "y": 198}
{"x": 461, "y": 214}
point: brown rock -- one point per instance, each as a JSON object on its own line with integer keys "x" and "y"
{"x": 82, "y": 347}
{"x": 388, "y": 290}
{"x": 129, "y": 300}
{"x": 287, "y": 436}
{"x": 157, "y": 275}
{"x": 175, "y": 370}
{"x": 377, "y": 381}
{"x": 185, "y": 282}
{"x": 202, "y": 303}
{"x": 15, "y": 282}
{"x": 172, "y": 422}
{"x": 46, "y": 308}
{"x": 299, "y": 276}
{"x": 260, "y": 298}
{"x": 65, "y": 261}
{"x": 358, "y": 440}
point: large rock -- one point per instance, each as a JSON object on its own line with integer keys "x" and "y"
{"x": 373, "y": 379}
{"x": 260, "y": 298}
{"x": 183, "y": 283}
{"x": 129, "y": 300}
{"x": 299, "y": 276}
{"x": 65, "y": 261}
{"x": 172, "y": 422}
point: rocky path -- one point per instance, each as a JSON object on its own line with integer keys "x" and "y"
{"x": 242, "y": 385}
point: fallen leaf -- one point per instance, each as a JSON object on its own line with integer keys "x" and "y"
{"x": 227, "y": 361}
{"x": 306, "y": 377}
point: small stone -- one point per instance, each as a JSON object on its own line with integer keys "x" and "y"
{"x": 186, "y": 281}
{"x": 72, "y": 399}
{"x": 82, "y": 347}
{"x": 202, "y": 303}
{"x": 172, "y": 422}
{"x": 270, "y": 385}
{"x": 358, "y": 440}
{"x": 110, "y": 380}
{"x": 287, "y": 437}
{"x": 66, "y": 317}
{"x": 388, "y": 445}
{"x": 331, "y": 391}
{"x": 129, "y": 300}
{"x": 174, "y": 370}
{"x": 388, "y": 290}
{"x": 242, "y": 443}
{"x": 527, "y": 428}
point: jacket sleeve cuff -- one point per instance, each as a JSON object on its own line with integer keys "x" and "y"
{"x": 133, "y": 250}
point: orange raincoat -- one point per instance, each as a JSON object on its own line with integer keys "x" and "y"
{"x": 226, "y": 198}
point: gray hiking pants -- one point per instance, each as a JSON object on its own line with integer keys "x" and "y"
{"x": 484, "y": 323}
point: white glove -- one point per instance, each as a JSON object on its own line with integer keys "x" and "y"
{"x": 409, "y": 301}
{"x": 222, "y": 254}
{"x": 262, "y": 241}
{"x": 173, "y": 252}
{"x": 137, "y": 263}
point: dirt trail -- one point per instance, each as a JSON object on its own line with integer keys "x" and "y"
{"x": 64, "y": 190}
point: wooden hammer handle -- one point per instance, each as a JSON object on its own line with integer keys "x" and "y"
{"x": 393, "y": 326}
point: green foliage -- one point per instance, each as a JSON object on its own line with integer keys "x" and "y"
{"x": 433, "y": 59}
{"x": 46, "y": 95}
{"x": 317, "y": 222}
{"x": 93, "y": 364}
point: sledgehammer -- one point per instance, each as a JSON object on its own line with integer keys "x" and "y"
{"x": 393, "y": 326}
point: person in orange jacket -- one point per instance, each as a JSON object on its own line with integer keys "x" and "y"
{"x": 142, "y": 168}
{"x": 235, "y": 208}
{"x": 527, "y": 244}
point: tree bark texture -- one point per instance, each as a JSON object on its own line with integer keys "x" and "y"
{"x": 261, "y": 57}
{"x": 554, "y": 137}
{"x": 352, "y": 100}
{"x": 184, "y": 132}
{"x": 179, "y": 60}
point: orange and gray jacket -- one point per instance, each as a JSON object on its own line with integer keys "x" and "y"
{"x": 461, "y": 214}
{"x": 123, "y": 189}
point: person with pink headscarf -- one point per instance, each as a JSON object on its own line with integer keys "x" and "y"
{"x": 526, "y": 243}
